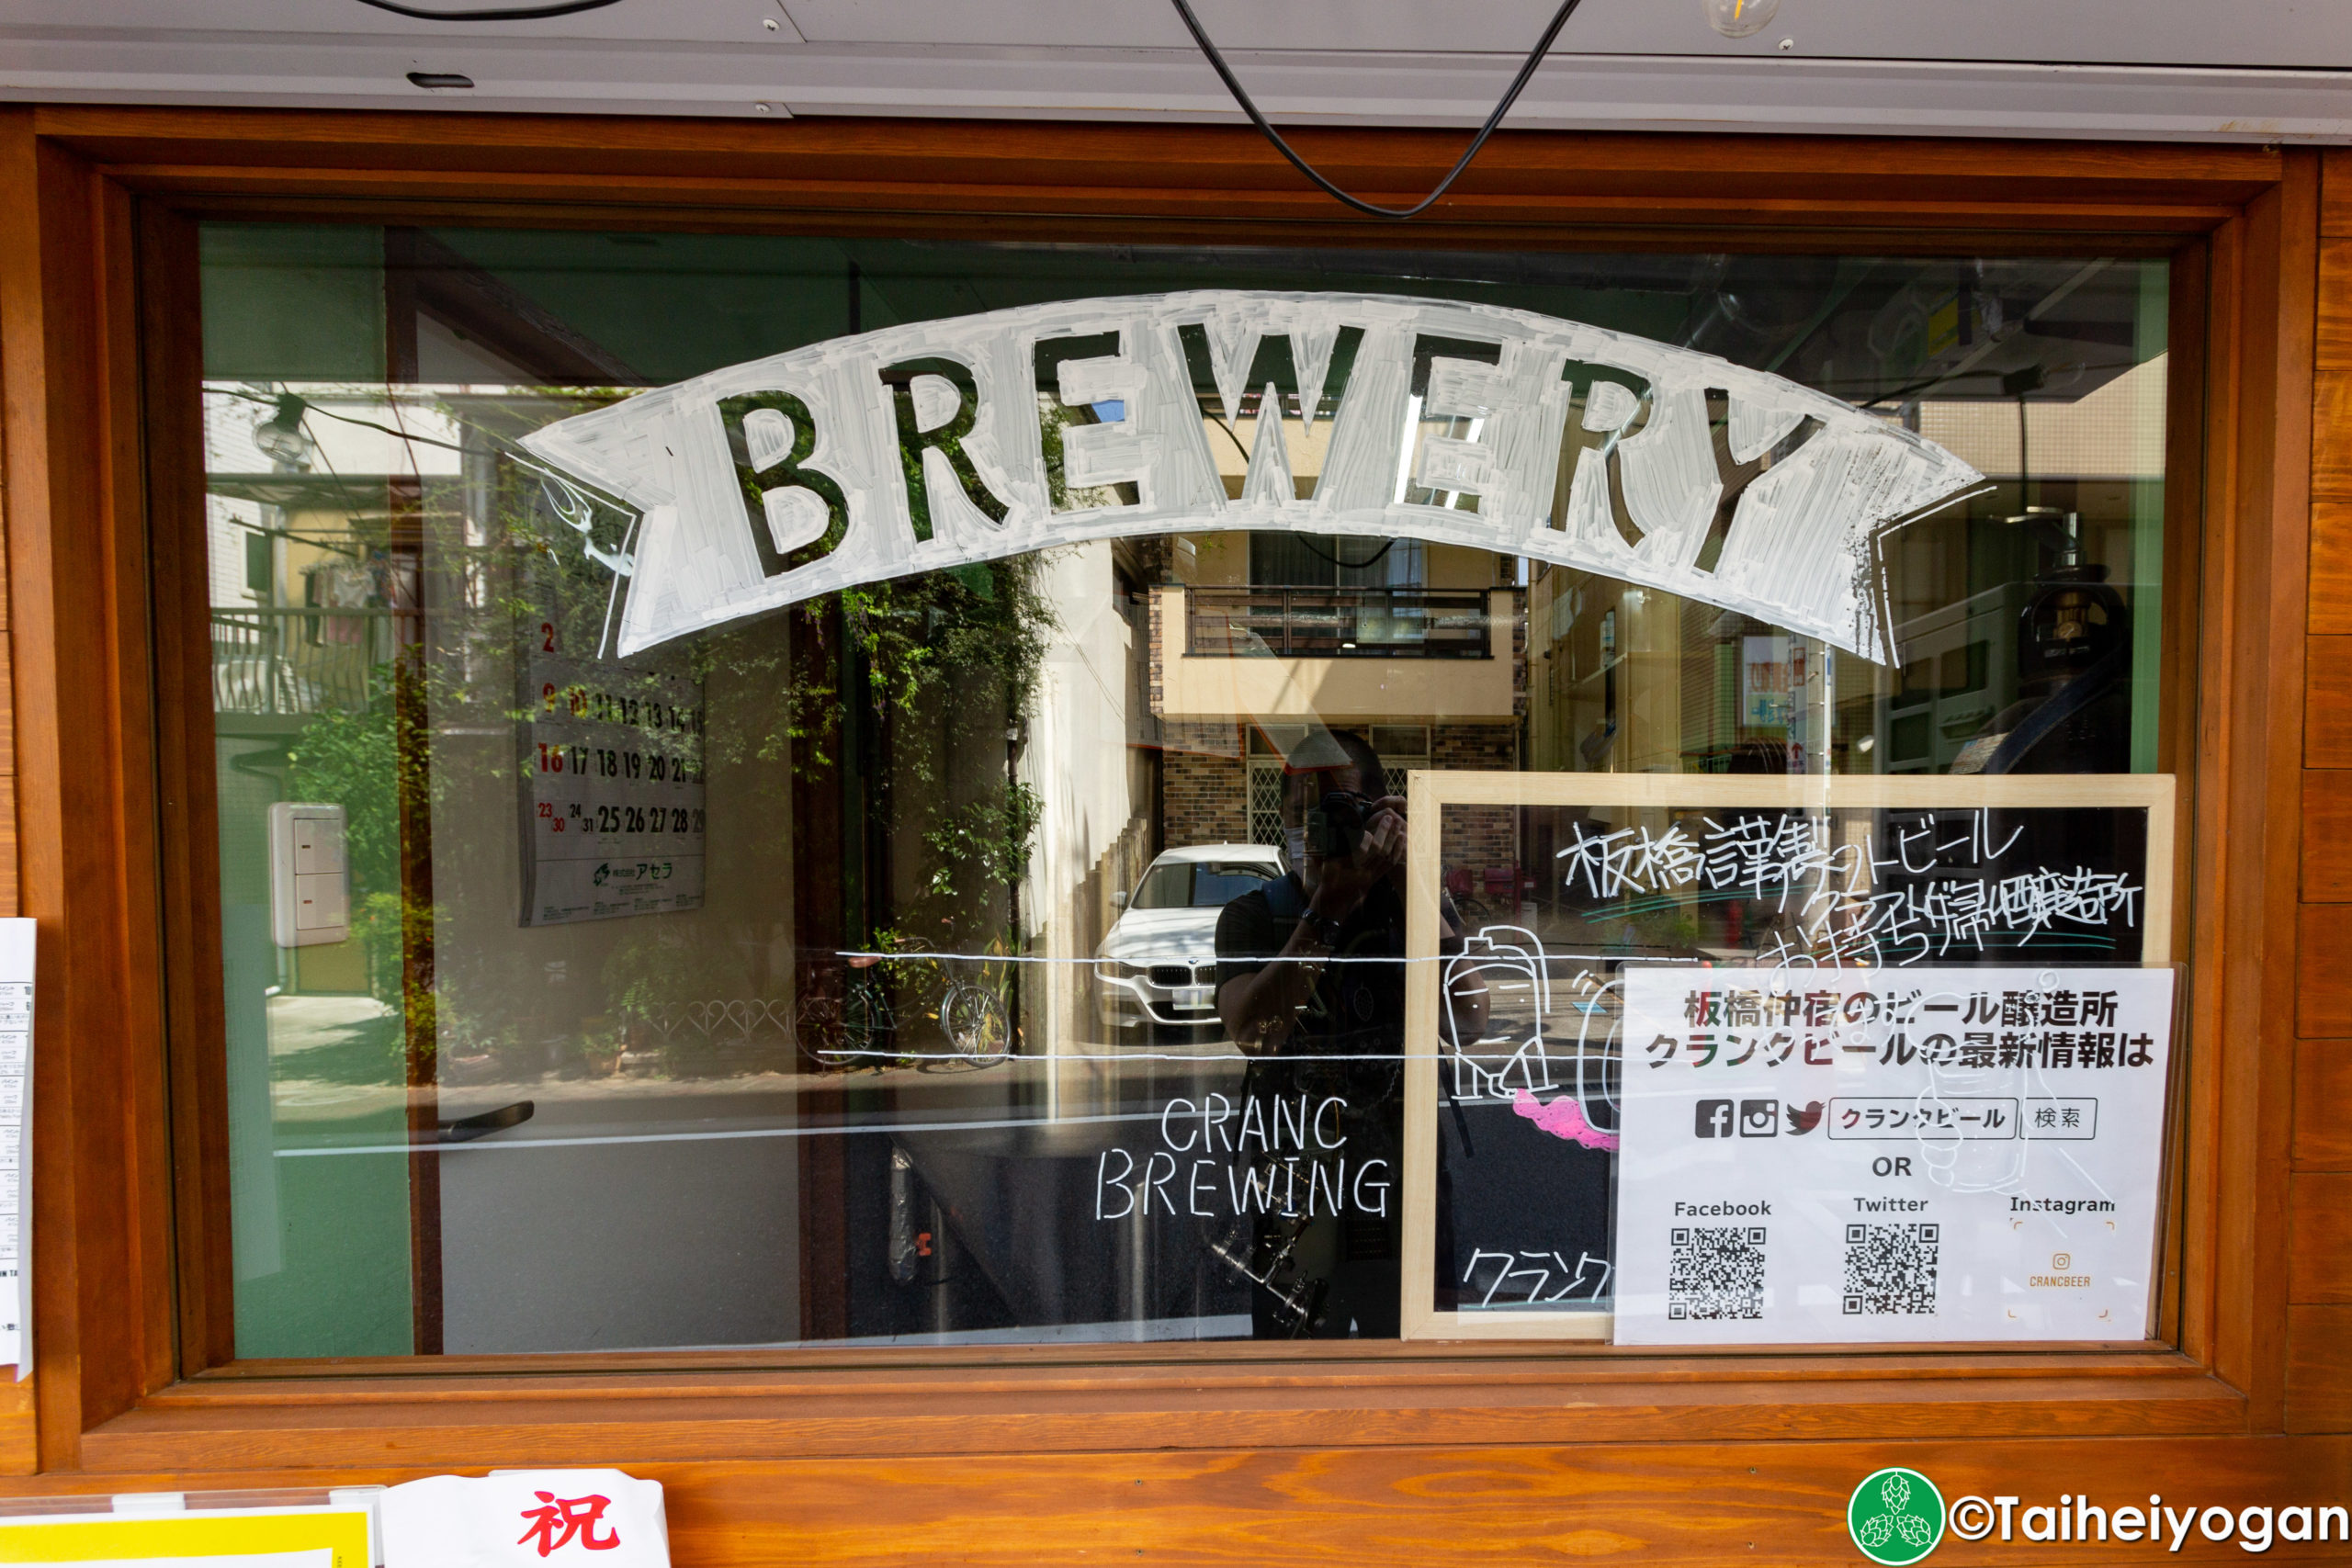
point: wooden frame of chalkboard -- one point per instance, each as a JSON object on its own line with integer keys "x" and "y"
{"x": 1429, "y": 794}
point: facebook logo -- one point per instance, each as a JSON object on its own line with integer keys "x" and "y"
{"x": 1714, "y": 1119}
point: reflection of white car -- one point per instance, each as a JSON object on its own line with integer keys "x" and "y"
{"x": 1157, "y": 964}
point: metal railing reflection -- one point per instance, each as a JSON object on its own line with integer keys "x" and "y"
{"x": 1337, "y": 622}
{"x": 714, "y": 1037}
{"x": 301, "y": 660}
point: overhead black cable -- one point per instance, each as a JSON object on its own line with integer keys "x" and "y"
{"x": 1241, "y": 96}
{"x": 496, "y": 14}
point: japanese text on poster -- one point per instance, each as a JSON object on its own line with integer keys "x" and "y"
{"x": 1928, "y": 1154}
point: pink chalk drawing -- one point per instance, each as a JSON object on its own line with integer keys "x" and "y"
{"x": 1564, "y": 1117}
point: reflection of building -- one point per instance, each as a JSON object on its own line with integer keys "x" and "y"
{"x": 1958, "y": 670}
{"x": 1096, "y": 834}
{"x": 1622, "y": 679}
{"x": 325, "y": 515}
{"x": 1430, "y": 672}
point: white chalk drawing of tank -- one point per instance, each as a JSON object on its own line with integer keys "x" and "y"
{"x": 1542, "y": 1039}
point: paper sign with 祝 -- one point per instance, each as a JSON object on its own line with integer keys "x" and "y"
{"x": 942, "y": 443}
{"x": 543, "y": 1518}
{"x": 1820, "y": 1156}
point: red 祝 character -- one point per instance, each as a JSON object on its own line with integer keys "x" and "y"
{"x": 577, "y": 1516}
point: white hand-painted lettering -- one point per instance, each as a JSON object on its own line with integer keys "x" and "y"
{"x": 943, "y": 443}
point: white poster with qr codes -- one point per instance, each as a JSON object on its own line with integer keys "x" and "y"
{"x": 1890, "y": 1156}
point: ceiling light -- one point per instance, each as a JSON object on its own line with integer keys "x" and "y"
{"x": 1739, "y": 18}
{"x": 282, "y": 439}
{"x": 435, "y": 80}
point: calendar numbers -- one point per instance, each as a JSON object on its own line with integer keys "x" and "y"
{"x": 614, "y": 816}
{"x": 608, "y": 762}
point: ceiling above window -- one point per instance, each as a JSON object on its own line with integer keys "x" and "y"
{"x": 2272, "y": 69}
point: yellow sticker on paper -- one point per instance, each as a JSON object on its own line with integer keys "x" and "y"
{"x": 113, "y": 1537}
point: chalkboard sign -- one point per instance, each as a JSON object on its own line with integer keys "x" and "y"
{"x": 1558, "y": 882}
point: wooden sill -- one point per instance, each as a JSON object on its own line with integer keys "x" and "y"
{"x": 468, "y": 1418}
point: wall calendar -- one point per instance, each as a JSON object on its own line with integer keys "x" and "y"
{"x": 612, "y": 790}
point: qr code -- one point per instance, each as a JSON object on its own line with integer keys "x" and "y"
{"x": 1891, "y": 1269}
{"x": 1715, "y": 1271}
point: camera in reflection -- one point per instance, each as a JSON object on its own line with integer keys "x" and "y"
{"x": 1336, "y": 826}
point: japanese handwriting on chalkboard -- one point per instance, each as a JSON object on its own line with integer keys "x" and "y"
{"x": 1585, "y": 1279}
{"x": 1930, "y": 892}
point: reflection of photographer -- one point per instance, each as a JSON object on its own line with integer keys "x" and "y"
{"x": 2073, "y": 670}
{"x": 1311, "y": 983}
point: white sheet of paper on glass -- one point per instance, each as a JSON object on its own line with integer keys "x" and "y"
{"x": 1844, "y": 1155}
{"x": 16, "y": 1142}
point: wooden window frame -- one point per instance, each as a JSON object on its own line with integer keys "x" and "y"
{"x": 110, "y": 775}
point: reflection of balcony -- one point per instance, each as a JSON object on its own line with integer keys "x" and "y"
{"x": 1339, "y": 654}
{"x": 290, "y": 662}
{"x": 1337, "y": 622}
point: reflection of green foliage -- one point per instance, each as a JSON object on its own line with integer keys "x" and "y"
{"x": 940, "y": 663}
{"x": 987, "y": 840}
{"x": 350, "y": 757}
{"x": 953, "y": 660}
{"x": 655, "y": 977}
{"x": 661, "y": 966}
{"x": 1054, "y": 416}
{"x": 950, "y": 660}
{"x": 953, "y": 635}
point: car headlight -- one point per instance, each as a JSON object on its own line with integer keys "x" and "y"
{"x": 1112, "y": 969}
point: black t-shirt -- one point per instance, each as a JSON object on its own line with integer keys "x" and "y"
{"x": 1354, "y": 1017}
{"x": 1347, "y": 1041}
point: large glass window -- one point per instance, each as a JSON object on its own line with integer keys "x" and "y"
{"x": 877, "y": 968}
